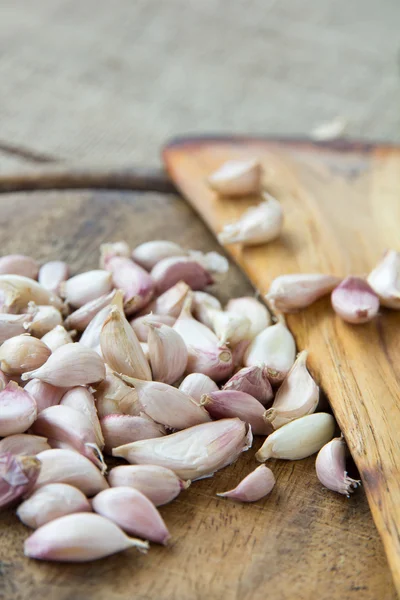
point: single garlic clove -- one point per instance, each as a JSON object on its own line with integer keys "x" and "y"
{"x": 213, "y": 262}
{"x": 82, "y": 400}
{"x": 167, "y": 405}
{"x": 18, "y": 475}
{"x": 19, "y": 264}
{"x": 44, "y": 320}
{"x": 136, "y": 284}
{"x": 44, "y": 394}
{"x": 331, "y": 468}
{"x": 193, "y": 453}
{"x": 238, "y": 353}
{"x": 51, "y": 502}
{"x": 288, "y": 293}
{"x": 236, "y": 178}
{"x": 202, "y": 302}
{"x": 52, "y": 274}
{"x": 140, "y": 325}
{"x": 17, "y": 410}
{"x": 258, "y": 225}
{"x": 254, "y": 311}
{"x": 79, "y": 537}
{"x": 85, "y": 287}
{"x": 22, "y": 353}
{"x": 81, "y": 318}
{"x": 167, "y": 352}
{"x": 16, "y": 291}
{"x": 170, "y": 271}
{"x": 385, "y": 279}
{"x": 70, "y": 365}
{"x": 355, "y": 301}
{"x": 229, "y": 327}
{"x": 57, "y": 337}
{"x": 113, "y": 396}
{"x": 23, "y": 444}
{"x": 68, "y": 466}
{"x": 226, "y": 404}
{"x": 274, "y": 348}
{"x": 196, "y": 385}
{"x": 123, "y": 429}
{"x": 13, "y": 325}
{"x": 254, "y": 381}
{"x": 299, "y": 438}
{"x": 133, "y": 512}
{"x": 297, "y": 396}
{"x": 158, "y": 484}
{"x": 120, "y": 347}
{"x": 110, "y": 250}
{"x": 255, "y": 486}
{"x": 148, "y": 254}
{"x": 170, "y": 302}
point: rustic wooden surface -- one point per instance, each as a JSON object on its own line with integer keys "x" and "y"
{"x": 301, "y": 542}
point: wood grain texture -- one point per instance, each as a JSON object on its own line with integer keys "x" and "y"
{"x": 300, "y": 542}
{"x": 342, "y": 210}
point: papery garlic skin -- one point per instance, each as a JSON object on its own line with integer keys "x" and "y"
{"x": 254, "y": 381}
{"x": 81, "y": 317}
{"x": 136, "y": 284}
{"x": 79, "y": 537}
{"x": 51, "y": 502}
{"x": 18, "y": 475}
{"x": 140, "y": 325}
{"x": 288, "y": 293}
{"x": 57, "y": 337}
{"x": 171, "y": 301}
{"x": 297, "y": 397}
{"x": 113, "y": 396}
{"x": 22, "y": 353}
{"x": 13, "y": 325}
{"x": 52, "y": 274}
{"x": 252, "y": 309}
{"x": 23, "y": 444}
{"x": 299, "y": 438}
{"x": 253, "y": 487}
{"x": 355, "y": 301}
{"x": 44, "y": 394}
{"x": 44, "y": 320}
{"x": 79, "y": 398}
{"x": 19, "y": 264}
{"x": 236, "y": 178}
{"x": 124, "y": 429}
{"x": 17, "y": 410}
{"x": 385, "y": 279}
{"x": 226, "y": 404}
{"x": 16, "y": 291}
{"x": 196, "y": 385}
{"x": 85, "y": 287}
{"x": 148, "y": 254}
{"x": 167, "y": 352}
{"x": 330, "y": 466}
{"x": 171, "y": 271}
{"x": 195, "y": 452}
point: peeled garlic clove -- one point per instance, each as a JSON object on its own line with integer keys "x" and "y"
{"x": 254, "y": 311}
{"x": 254, "y": 381}
{"x": 213, "y": 262}
{"x": 70, "y": 365}
{"x": 258, "y": 225}
{"x": 288, "y": 293}
{"x": 113, "y": 396}
{"x": 17, "y": 410}
{"x": 170, "y": 271}
{"x": 226, "y": 404}
{"x": 57, "y": 337}
{"x": 158, "y": 484}
{"x": 17, "y": 477}
{"x": 148, "y": 254}
{"x": 13, "y": 325}
{"x": 255, "y": 486}
{"x": 297, "y": 396}
{"x": 120, "y": 347}
{"x": 123, "y": 429}
{"x": 79, "y": 538}
{"x": 274, "y": 348}
{"x": 16, "y": 291}
{"x": 355, "y": 301}
{"x": 85, "y": 287}
{"x": 23, "y": 444}
{"x": 22, "y": 353}
{"x": 202, "y": 302}
{"x": 193, "y": 453}
{"x": 68, "y": 466}
{"x": 196, "y": 385}
{"x": 385, "y": 279}
{"x": 52, "y": 274}
{"x": 331, "y": 468}
{"x": 298, "y": 439}
{"x": 168, "y": 353}
{"x": 80, "y": 399}
{"x": 237, "y": 178}
{"x": 171, "y": 301}
{"x": 44, "y": 394}
{"x": 51, "y": 502}
{"x": 133, "y": 512}
{"x": 44, "y": 320}
{"x": 81, "y": 318}
{"x": 140, "y": 325}
{"x": 229, "y": 327}
{"x": 19, "y": 264}
{"x": 167, "y": 405}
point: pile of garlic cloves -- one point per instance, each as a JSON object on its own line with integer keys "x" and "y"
{"x": 136, "y": 360}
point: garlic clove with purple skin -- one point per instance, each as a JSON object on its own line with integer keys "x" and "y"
{"x": 226, "y": 404}
{"x": 113, "y": 396}
{"x": 52, "y": 274}
{"x": 44, "y": 394}
{"x": 236, "y": 178}
{"x": 238, "y": 354}
{"x": 80, "y": 399}
{"x": 85, "y": 287}
{"x": 253, "y": 310}
{"x": 167, "y": 352}
{"x": 19, "y": 264}
{"x": 81, "y": 317}
{"x": 148, "y": 254}
{"x": 57, "y": 337}
{"x": 170, "y": 271}
{"x": 140, "y": 325}
{"x": 385, "y": 280}
{"x": 23, "y": 444}
{"x": 17, "y": 410}
{"x": 22, "y": 353}
{"x": 196, "y": 385}
{"x": 16, "y": 291}
{"x": 123, "y": 429}
{"x": 255, "y": 486}
{"x": 330, "y": 466}
{"x": 289, "y": 293}
{"x": 18, "y": 475}
{"x": 13, "y": 325}
{"x": 136, "y": 283}
{"x": 254, "y": 381}
{"x": 171, "y": 301}
{"x": 355, "y": 301}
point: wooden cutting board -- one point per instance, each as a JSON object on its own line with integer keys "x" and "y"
{"x": 301, "y": 542}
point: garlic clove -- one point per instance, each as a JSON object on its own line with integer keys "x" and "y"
{"x": 237, "y": 178}
{"x": 193, "y": 453}
{"x": 22, "y": 353}
{"x": 148, "y": 254}
{"x": 297, "y": 396}
{"x": 254, "y": 381}
{"x": 110, "y": 250}
{"x": 17, "y": 410}
{"x": 68, "y": 466}
{"x": 123, "y": 429}
{"x": 16, "y": 291}
{"x": 91, "y": 336}
{"x": 171, "y": 271}
{"x": 158, "y": 484}
{"x": 330, "y": 466}
{"x": 167, "y": 352}
{"x": 355, "y": 301}
{"x": 171, "y": 301}
{"x": 19, "y": 264}
{"x": 258, "y": 225}
{"x": 85, "y": 287}
{"x": 18, "y": 475}
{"x": 113, "y": 396}
{"x": 13, "y": 325}
{"x": 196, "y": 385}
{"x": 274, "y": 348}
{"x": 79, "y": 537}
{"x": 80, "y": 399}
{"x": 51, "y": 502}
{"x": 288, "y": 293}
{"x": 226, "y": 404}
{"x": 57, "y": 444}
{"x": 140, "y": 325}
{"x": 229, "y": 327}
{"x": 23, "y": 444}
{"x": 45, "y": 318}
{"x": 213, "y": 262}
{"x": 136, "y": 284}
{"x": 202, "y": 302}
{"x": 44, "y": 394}
{"x": 57, "y": 337}
{"x": 385, "y": 279}
{"x": 299, "y": 438}
{"x": 52, "y": 274}
{"x": 254, "y": 311}
{"x": 255, "y": 486}
{"x": 81, "y": 318}
{"x": 120, "y": 347}
{"x": 238, "y": 353}
{"x": 133, "y": 512}
{"x": 70, "y": 365}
